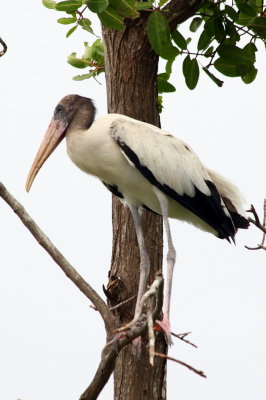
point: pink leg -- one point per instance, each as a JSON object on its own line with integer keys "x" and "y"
{"x": 144, "y": 271}
{"x": 171, "y": 257}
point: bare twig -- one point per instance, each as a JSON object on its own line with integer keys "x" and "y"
{"x": 182, "y": 336}
{"x": 2, "y": 52}
{"x": 258, "y": 224}
{"x": 152, "y": 291}
{"x": 122, "y": 303}
{"x": 58, "y": 257}
{"x": 151, "y": 332}
{"x": 201, "y": 373}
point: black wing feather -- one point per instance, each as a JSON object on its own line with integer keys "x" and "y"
{"x": 208, "y": 208}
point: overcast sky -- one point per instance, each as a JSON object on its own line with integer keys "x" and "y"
{"x": 50, "y": 339}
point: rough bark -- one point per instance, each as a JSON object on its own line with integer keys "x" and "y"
{"x": 131, "y": 69}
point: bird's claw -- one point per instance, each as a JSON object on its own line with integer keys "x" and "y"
{"x": 165, "y": 327}
{"x": 136, "y": 347}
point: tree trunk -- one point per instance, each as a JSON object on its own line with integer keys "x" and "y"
{"x": 131, "y": 69}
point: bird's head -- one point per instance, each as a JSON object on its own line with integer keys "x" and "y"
{"x": 72, "y": 112}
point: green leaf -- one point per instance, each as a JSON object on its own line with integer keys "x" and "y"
{"x": 111, "y": 19}
{"x": 97, "y": 6}
{"x": 163, "y": 86}
{"x": 97, "y": 52}
{"x": 250, "y": 76}
{"x": 251, "y": 49}
{"x": 205, "y": 40}
{"x": 244, "y": 19}
{"x": 179, "y": 39}
{"x": 213, "y": 77}
{"x": 168, "y": 66}
{"x": 160, "y": 104}
{"x": 186, "y": 62}
{"x": 125, "y": 8}
{"x": 49, "y": 4}
{"x": 94, "y": 53}
{"x": 68, "y": 6}
{"x": 229, "y": 69}
{"x": 258, "y": 25}
{"x": 159, "y": 36}
{"x": 191, "y": 72}
{"x": 209, "y": 52}
{"x": 85, "y": 23}
{"x": 210, "y": 25}
{"x": 88, "y": 52}
{"x": 77, "y": 62}
{"x": 66, "y": 21}
{"x": 162, "y": 3}
{"x": 231, "y": 31}
{"x": 219, "y": 31}
{"x": 71, "y": 31}
{"x": 206, "y": 8}
{"x": 143, "y": 5}
{"x": 165, "y": 76}
{"x": 259, "y": 4}
{"x": 231, "y": 12}
{"x": 259, "y": 22}
{"x": 234, "y": 55}
{"x": 83, "y": 77}
{"x": 195, "y": 24}
{"x": 247, "y": 9}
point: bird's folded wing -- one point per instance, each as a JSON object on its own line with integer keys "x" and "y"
{"x": 171, "y": 161}
{"x": 172, "y": 166}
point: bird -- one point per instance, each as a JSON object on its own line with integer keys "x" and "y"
{"x": 146, "y": 167}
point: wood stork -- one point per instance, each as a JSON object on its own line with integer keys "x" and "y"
{"x": 146, "y": 167}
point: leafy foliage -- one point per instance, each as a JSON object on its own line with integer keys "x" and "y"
{"x": 93, "y": 58}
{"x": 224, "y": 36}
{"x": 159, "y": 36}
{"x": 163, "y": 85}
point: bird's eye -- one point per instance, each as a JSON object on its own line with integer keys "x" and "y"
{"x": 58, "y": 112}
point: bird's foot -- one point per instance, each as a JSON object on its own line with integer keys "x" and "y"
{"x": 136, "y": 347}
{"x": 166, "y": 328}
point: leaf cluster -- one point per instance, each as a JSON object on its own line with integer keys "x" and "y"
{"x": 217, "y": 30}
{"x": 220, "y": 29}
{"x": 93, "y": 58}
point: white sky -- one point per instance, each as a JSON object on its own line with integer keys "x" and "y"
{"x": 50, "y": 339}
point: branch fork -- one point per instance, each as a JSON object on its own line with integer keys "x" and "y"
{"x": 152, "y": 298}
{"x": 260, "y": 225}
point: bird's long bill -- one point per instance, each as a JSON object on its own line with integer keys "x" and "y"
{"x": 53, "y": 136}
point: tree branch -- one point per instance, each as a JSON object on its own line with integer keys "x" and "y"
{"x": 201, "y": 373}
{"x": 112, "y": 349}
{"x": 58, "y": 257}
{"x": 258, "y": 224}
{"x": 181, "y": 336}
{"x": 178, "y": 11}
{"x": 135, "y": 329}
{"x": 2, "y": 52}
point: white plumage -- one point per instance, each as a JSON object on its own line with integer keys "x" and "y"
{"x": 147, "y": 167}
{"x": 171, "y": 161}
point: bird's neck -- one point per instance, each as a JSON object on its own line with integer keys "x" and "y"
{"x": 83, "y": 118}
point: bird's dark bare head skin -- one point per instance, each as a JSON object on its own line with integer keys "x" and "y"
{"x": 75, "y": 109}
{"x": 73, "y": 112}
